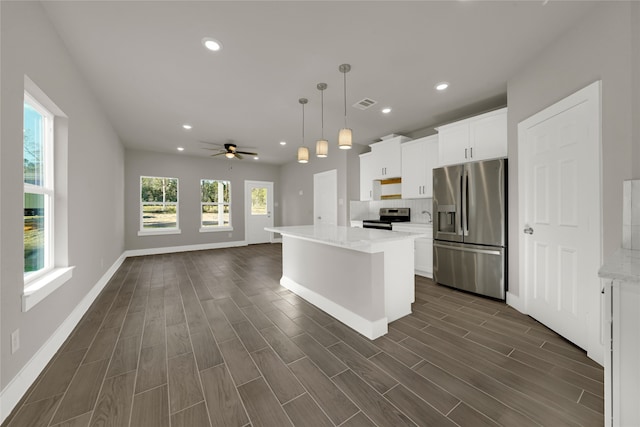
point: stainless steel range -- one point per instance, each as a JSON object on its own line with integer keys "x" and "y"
{"x": 387, "y": 217}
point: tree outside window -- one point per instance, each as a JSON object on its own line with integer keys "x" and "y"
{"x": 158, "y": 203}
{"x": 215, "y": 203}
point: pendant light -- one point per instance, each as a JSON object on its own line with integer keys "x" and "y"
{"x": 322, "y": 145}
{"x": 345, "y": 135}
{"x": 303, "y": 152}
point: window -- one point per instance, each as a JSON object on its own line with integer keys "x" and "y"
{"x": 258, "y": 201}
{"x": 158, "y": 205}
{"x": 45, "y": 209}
{"x": 215, "y": 205}
{"x": 38, "y": 188}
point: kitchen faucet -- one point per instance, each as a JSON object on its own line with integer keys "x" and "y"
{"x": 430, "y": 218}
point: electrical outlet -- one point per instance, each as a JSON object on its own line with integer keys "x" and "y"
{"x": 230, "y": 234}
{"x": 15, "y": 341}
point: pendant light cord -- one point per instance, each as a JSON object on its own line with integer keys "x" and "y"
{"x": 322, "y": 114}
{"x": 345, "y": 98}
{"x": 302, "y": 124}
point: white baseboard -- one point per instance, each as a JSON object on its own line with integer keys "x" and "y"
{"x": 368, "y": 328}
{"x": 186, "y": 248}
{"x": 515, "y": 302}
{"x": 15, "y": 390}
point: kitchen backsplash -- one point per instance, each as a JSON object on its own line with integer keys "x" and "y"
{"x": 371, "y": 210}
{"x": 631, "y": 214}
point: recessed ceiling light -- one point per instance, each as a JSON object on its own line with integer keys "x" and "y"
{"x": 442, "y": 86}
{"x": 283, "y": 142}
{"x": 180, "y": 148}
{"x": 386, "y": 110}
{"x": 211, "y": 44}
{"x": 255, "y": 157}
{"x": 187, "y": 126}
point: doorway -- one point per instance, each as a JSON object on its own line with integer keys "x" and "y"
{"x": 560, "y": 219}
{"x": 325, "y": 198}
{"x": 258, "y": 202}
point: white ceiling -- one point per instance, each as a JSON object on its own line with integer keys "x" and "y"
{"x": 145, "y": 62}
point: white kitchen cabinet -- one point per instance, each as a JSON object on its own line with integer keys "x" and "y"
{"x": 366, "y": 176}
{"x": 419, "y": 157}
{"x": 384, "y": 161}
{"x": 621, "y": 320}
{"x": 476, "y": 138}
{"x": 423, "y": 252}
{"x": 387, "y": 157}
{"x": 622, "y": 347}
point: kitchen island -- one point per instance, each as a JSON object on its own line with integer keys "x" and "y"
{"x": 362, "y": 277}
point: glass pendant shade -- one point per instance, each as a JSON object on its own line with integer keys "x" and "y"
{"x": 322, "y": 148}
{"x": 229, "y": 155}
{"x": 344, "y": 139}
{"x": 303, "y": 155}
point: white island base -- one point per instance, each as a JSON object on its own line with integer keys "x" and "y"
{"x": 362, "y": 277}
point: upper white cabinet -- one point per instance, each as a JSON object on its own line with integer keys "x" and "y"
{"x": 384, "y": 161}
{"x": 387, "y": 157}
{"x": 477, "y": 138}
{"x": 419, "y": 157}
{"x": 366, "y": 176}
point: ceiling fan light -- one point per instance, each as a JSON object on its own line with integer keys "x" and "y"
{"x": 322, "y": 148}
{"x": 229, "y": 155}
{"x": 344, "y": 139}
{"x": 303, "y": 155}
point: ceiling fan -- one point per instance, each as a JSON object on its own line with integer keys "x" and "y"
{"x": 230, "y": 150}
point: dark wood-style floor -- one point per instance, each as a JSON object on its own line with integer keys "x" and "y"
{"x": 210, "y": 338}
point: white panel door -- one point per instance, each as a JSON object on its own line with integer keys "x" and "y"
{"x": 258, "y": 196}
{"x": 325, "y": 197}
{"x": 559, "y": 188}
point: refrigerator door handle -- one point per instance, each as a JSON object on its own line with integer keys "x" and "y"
{"x": 461, "y": 205}
{"x": 467, "y": 249}
{"x": 465, "y": 203}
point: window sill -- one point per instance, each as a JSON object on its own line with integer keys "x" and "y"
{"x": 159, "y": 232}
{"x": 214, "y": 229}
{"x": 38, "y": 289}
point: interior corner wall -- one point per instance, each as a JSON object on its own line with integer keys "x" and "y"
{"x": 190, "y": 170}
{"x": 31, "y": 46}
{"x": 598, "y": 48}
{"x": 635, "y": 51}
{"x": 296, "y": 186}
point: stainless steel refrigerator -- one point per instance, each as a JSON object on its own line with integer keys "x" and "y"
{"x": 470, "y": 227}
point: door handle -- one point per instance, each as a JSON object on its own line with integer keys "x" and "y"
{"x": 465, "y": 153}
{"x": 528, "y": 230}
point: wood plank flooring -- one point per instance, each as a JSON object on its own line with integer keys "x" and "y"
{"x": 210, "y": 338}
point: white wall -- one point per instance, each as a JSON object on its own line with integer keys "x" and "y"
{"x": 598, "y": 48}
{"x": 296, "y": 178}
{"x": 30, "y": 46}
{"x": 190, "y": 170}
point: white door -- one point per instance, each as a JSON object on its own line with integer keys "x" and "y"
{"x": 559, "y": 202}
{"x": 325, "y": 197}
{"x": 258, "y": 202}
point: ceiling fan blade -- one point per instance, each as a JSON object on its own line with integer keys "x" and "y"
{"x": 247, "y": 153}
{"x": 239, "y": 156}
{"x": 219, "y": 154}
{"x": 213, "y": 149}
{"x": 212, "y": 143}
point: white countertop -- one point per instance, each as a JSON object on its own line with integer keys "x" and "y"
{"x": 360, "y": 239}
{"x": 623, "y": 265}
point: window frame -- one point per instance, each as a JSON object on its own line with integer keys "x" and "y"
{"x": 46, "y": 189}
{"x": 40, "y": 284}
{"x": 158, "y": 231}
{"x": 219, "y": 203}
